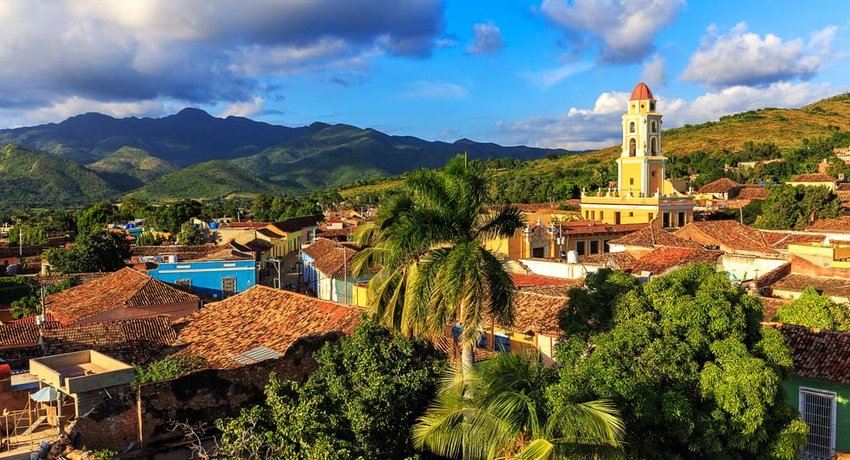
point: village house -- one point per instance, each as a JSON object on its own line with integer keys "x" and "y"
{"x": 124, "y": 294}
{"x": 814, "y": 180}
{"x": 819, "y": 387}
{"x": 720, "y": 189}
{"x": 822, "y": 265}
{"x": 327, "y": 272}
{"x": 288, "y": 235}
{"x": 208, "y": 270}
{"x": 258, "y": 324}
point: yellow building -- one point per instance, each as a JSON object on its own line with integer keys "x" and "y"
{"x": 643, "y": 192}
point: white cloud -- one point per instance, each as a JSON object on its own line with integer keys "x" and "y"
{"x": 626, "y": 29}
{"x": 598, "y": 127}
{"x": 76, "y": 105}
{"x": 194, "y": 51}
{"x": 745, "y": 58}
{"x": 488, "y": 39}
{"x": 654, "y": 72}
{"x": 433, "y": 90}
{"x": 545, "y": 79}
{"x": 244, "y": 108}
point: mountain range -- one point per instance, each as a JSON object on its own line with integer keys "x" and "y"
{"x": 192, "y": 154}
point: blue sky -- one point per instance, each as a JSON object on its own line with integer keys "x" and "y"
{"x": 551, "y": 73}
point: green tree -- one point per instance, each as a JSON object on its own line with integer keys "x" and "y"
{"x": 685, "y": 359}
{"x": 435, "y": 270}
{"x": 790, "y": 207}
{"x": 168, "y": 368}
{"x": 813, "y": 309}
{"x": 33, "y": 234}
{"x": 190, "y": 235}
{"x": 95, "y": 218}
{"x": 502, "y": 410}
{"x": 96, "y": 251}
{"x": 361, "y": 402}
{"x": 149, "y": 239}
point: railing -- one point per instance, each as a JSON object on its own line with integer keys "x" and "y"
{"x": 27, "y": 427}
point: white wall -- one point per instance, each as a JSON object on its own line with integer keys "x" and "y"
{"x": 745, "y": 267}
{"x": 558, "y": 269}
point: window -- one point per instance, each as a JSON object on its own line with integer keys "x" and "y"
{"x": 606, "y": 246}
{"x": 652, "y": 174}
{"x": 817, "y": 409}
{"x": 653, "y": 125}
{"x": 594, "y": 247}
{"x": 631, "y": 181}
{"x": 652, "y": 145}
{"x": 681, "y": 219}
{"x": 632, "y": 147}
{"x": 587, "y": 214}
{"x": 631, "y": 214}
{"x": 651, "y": 106}
{"x": 632, "y": 127}
{"x": 601, "y": 215}
{"x": 187, "y": 284}
{"x": 665, "y": 219}
{"x": 537, "y": 253}
{"x": 580, "y": 248}
{"x": 228, "y": 287}
{"x": 592, "y": 215}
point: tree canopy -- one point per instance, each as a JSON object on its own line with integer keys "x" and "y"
{"x": 360, "y": 403}
{"x": 813, "y": 309}
{"x": 686, "y": 361}
{"x": 789, "y": 207}
{"x": 94, "y": 251}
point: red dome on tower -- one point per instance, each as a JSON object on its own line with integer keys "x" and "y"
{"x": 641, "y": 93}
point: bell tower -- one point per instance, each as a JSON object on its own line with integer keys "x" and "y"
{"x": 641, "y": 164}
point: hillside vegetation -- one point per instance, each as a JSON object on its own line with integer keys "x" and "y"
{"x": 40, "y": 180}
{"x": 128, "y": 168}
{"x": 698, "y": 149}
{"x": 217, "y": 178}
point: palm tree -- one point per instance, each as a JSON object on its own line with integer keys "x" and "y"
{"x": 435, "y": 270}
{"x": 499, "y": 410}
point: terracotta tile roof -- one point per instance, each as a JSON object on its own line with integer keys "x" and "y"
{"x": 834, "y": 287}
{"x": 663, "y": 259}
{"x": 722, "y": 185}
{"x": 246, "y": 225}
{"x": 223, "y": 253}
{"x": 260, "y": 316}
{"x": 615, "y": 260}
{"x": 651, "y": 237}
{"x": 838, "y": 225}
{"x": 182, "y": 252}
{"x": 124, "y": 288}
{"x": 297, "y": 223}
{"x": 267, "y": 232}
{"x": 772, "y": 305}
{"x": 81, "y": 278}
{"x": 337, "y": 262}
{"x": 136, "y": 340}
{"x": 818, "y": 354}
{"x": 335, "y": 233}
{"x": 753, "y": 192}
{"x": 781, "y": 240}
{"x": 521, "y": 280}
{"x": 815, "y": 177}
{"x": 319, "y": 248}
{"x": 255, "y": 245}
{"x": 32, "y": 319}
{"x": 731, "y": 233}
{"x": 537, "y": 309}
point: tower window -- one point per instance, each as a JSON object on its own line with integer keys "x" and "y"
{"x": 642, "y": 106}
{"x": 631, "y": 181}
{"x": 652, "y": 174}
{"x": 632, "y": 127}
{"x": 652, "y": 107}
{"x": 652, "y": 146}
{"x": 632, "y": 147}
{"x": 653, "y": 126}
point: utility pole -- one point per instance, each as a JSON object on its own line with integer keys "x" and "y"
{"x": 20, "y": 243}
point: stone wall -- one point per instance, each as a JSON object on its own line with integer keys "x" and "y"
{"x": 146, "y": 414}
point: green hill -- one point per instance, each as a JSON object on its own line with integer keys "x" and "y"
{"x": 212, "y": 179}
{"x": 29, "y": 179}
{"x": 128, "y": 168}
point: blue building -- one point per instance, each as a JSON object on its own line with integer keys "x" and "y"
{"x": 217, "y": 279}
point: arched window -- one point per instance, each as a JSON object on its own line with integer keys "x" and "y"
{"x": 631, "y": 127}
{"x": 651, "y": 106}
{"x": 632, "y": 147}
{"x": 653, "y": 126}
{"x": 652, "y": 147}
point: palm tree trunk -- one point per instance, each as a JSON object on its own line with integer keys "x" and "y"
{"x": 467, "y": 357}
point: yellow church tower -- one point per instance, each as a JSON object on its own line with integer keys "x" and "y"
{"x": 643, "y": 193}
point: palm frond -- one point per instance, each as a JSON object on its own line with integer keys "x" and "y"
{"x": 538, "y": 449}
{"x": 502, "y": 223}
